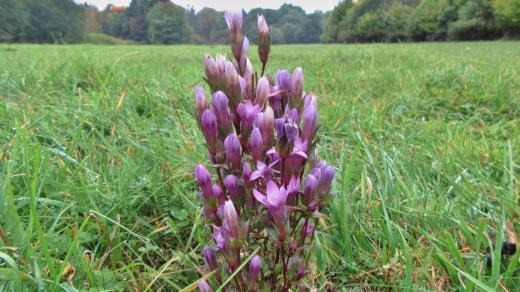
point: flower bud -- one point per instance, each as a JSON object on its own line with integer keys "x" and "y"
{"x": 204, "y": 180}
{"x": 210, "y": 258}
{"x": 265, "y": 123}
{"x": 296, "y": 87}
{"x": 232, "y": 80}
{"x": 247, "y": 113}
{"x": 217, "y": 193}
{"x": 231, "y": 183}
{"x": 220, "y": 106}
{"x": 310, "y": 100}
{"x": 310, "y": 185}
{"x": 310, "y": 119}
{"x": 328, "y": 173}
{"x": 210, "y": 66}
{"x": 275, "y": 99}
{"x": 283, "y": 78}
{"x": 262, "y": 91}
{"x": 256, "y": 145}
{"x": 204, "y": 286}
{"x": 255, "y": 266}
{"x": 264, "y": 39}
{"x": 234, "y": 23}
{"x": 200, "y": 102}
{"x": 231, "y": 219}
{"x": 232, "y": 150}
{"x": 209, "y": 129}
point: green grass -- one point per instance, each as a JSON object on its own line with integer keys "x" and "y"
{"x": 98, "y": 145}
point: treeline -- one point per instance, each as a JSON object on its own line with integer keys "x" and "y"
{"x": 163, "y": 22}
{"x": 145, "y": 21}
{"x": 41, "y": 21}
{"x": 422, "y": 20}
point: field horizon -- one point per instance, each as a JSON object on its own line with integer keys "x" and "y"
{"x": 98, "y": 145}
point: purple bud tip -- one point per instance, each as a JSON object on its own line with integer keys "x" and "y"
{"x": 263, "y": 29}
{"x": 255, "y": 266}
{"x": 232, "y": 150}
{"x": 231, "y": 219}
{"x": 200, "y": 101}
{"x": 262, "y": 91}
{"x": 210, "y": 258}
{"x": 284, "y": 79}
{"x": 310, "y": 185}
{"x": 232, "y": 80}
{"x": 256, "y": 144}
{"x": 310, "y": 119}
{"x": 209, "y": 129}
{"x": 204, "y": 286}
{"x": 204, "y": 180}
{"x": 297, "y": 83}
{"x": 220, "y": 106}
{"x": 231, "y": 183}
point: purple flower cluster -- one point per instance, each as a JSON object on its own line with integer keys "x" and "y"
{"x": 269, "y": 185}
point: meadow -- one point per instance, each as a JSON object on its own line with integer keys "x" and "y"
{"x": 98, "y": 146}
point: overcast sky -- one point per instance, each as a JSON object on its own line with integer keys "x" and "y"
{"x": 308, "y": 5}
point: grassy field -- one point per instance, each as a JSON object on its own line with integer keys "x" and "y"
{"x": 98, "y": 146}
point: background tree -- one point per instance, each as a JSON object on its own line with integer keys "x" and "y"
{"x": 332, "y": 25}
{"x": 168, "y": 24}
{"x": 508, "y": 16}
{"x": 475, "y": 21}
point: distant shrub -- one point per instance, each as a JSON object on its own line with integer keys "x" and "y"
{"x": 104, "y": 39}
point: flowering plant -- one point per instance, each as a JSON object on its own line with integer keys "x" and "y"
{"x": 260, "y": 133}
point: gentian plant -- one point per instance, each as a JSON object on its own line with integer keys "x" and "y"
{"x": 264, "y": 201}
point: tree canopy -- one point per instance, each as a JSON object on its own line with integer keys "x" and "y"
{"x": 163, "y": 22}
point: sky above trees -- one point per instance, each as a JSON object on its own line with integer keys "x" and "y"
{"x": 308, "y": 6}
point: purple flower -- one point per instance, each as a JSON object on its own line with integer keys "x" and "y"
{"x": 233, "y": 82}
{"x": 256, "y": 145}
{"x": 209, "y": 129}
{"x": 247, "y": 113}
{"x": 244, "y": 64}
{"x": 220, "y": 106}
{"x": 283, "y": 78}
{"x": 296, "y": 86}
{"x": 232, "y": 150}
{"x": 293, "y": 189}
{"x": 328, "y": 173}
{"x": 310, "y": 100}
{"x": 255, "y": 266}
{"x": 292, "y": 114}
{"x": 204, "y": 286}
{"x": 246, "y": 174}
{"x": 231, "y": 183}
{"x": 310, "y": 186}
{"x": 275, "y": 203}
{"x": 263, "y": 29}
{"x": 262, "y": 91}
{"x": 231, "y": 223}
{"x": 264, "y": 40}
{"x": 210, "y": 258}
{"x": 286, "y": 128}
{"x": 200, "y": 102}
{"x": 234, "y": 23}
{"x": 262, "y": 171}
{"x": 204, "y": 180}
{"x": 265, "y": 123}
{"x": 295, "y": 163}
{"x": 275, "y": 98}
{"x": 210, "y": 66}
{"x": 310, "y": 119}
